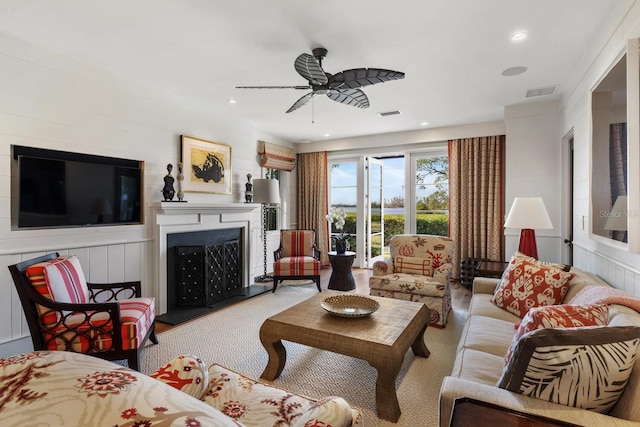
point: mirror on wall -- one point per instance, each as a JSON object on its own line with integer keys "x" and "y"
{"x": 609, "y": 155}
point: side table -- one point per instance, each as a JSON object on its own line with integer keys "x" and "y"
{"x": 341, "y": 276}
{"x": 491, "y": 269}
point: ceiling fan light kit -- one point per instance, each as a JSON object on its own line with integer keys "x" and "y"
{"x": 343, "y": 87}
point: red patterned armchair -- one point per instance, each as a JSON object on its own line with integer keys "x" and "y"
{"x": 297, "y": 257}
{"x": 64, "y": 312}
{"x": 419, "y": 270}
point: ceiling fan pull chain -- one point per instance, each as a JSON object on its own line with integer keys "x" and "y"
{"x": 313, "y": 110}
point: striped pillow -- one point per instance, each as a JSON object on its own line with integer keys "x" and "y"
{"x": 66, "y": 282}
{"x": 35, "y": 275}
{"x": 413, "y": 265}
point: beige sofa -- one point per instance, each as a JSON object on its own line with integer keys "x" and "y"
{"x": 480, "y": 357}
{"x": 73, "y": 389}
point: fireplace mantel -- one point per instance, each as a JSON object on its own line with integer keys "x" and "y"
{"x": 180, "y": 208}
{"x": 181, "y": 217}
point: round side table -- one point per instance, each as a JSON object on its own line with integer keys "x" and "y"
{"x": 341, "y": 277}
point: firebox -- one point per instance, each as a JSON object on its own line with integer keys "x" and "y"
{"x": 203, "y": 267}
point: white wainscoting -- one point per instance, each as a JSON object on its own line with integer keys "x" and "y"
{"x": 614, "y": 272}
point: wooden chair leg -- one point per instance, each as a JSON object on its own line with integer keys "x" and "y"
{"x": 275, "y": 285}
{"x": 134, "y": 360}
{"x": 317, "y": 280}
{"x": 152, "y": 336}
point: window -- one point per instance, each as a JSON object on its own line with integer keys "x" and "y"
{"x": 431, "y": 189}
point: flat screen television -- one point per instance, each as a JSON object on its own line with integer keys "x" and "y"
{"x": 63, "y": 189}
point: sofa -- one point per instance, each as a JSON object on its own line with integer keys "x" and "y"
{"x": 73, "y": 389}
{"x": 483, "y": 372}
{"x": 419, "y": 270}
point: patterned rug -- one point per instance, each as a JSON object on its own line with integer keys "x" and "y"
{"x": 230, "y": 337}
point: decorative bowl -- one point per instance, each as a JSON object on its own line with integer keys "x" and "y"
{"x": 350, "y": 305}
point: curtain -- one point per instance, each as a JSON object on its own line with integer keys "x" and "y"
{"x": 476, "y": 198}
{"x": 313, "y": 198}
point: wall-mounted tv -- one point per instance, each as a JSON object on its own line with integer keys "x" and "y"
{"x": 63, "y": 189}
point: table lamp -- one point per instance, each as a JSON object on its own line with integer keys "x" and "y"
{"x": 528, "y": 213}
{"x": 267, "y": 192}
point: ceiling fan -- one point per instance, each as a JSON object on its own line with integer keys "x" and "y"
{"x": 341, "y": 87}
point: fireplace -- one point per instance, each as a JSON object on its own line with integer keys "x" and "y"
{"x": 203, "y": 268}
{"x": 191, "y": 225}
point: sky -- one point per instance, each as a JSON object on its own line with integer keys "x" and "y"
{"x": 344, "y": 181}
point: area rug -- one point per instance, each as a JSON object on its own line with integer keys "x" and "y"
{"x": 230, "y": 337}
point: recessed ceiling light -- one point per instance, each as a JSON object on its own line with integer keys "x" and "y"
{"x": 514, "y": 71}
{"x": 304, "y": 141}
{"x": 327, "y": 135}
{"x": 519, "y": 36}
{"x": 232, "y": 101}
{"x": 424, "y": 124}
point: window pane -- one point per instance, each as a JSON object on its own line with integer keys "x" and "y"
{"x": 432, "y": 195}
{"x": 344, "y": 194}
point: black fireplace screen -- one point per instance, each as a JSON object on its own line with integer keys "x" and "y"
{"x": 206, "y": 274}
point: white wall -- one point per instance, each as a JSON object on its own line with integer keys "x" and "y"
{"x": 47, "y": 100}
{"x": 607, "y": 259}
{"x": 534, "y": 169}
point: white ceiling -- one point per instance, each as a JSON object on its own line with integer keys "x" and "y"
{"x": 452, "y": 51}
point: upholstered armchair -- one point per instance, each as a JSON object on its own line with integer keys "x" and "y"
{"x": 64, "y": 312}
{"x": 419, "y": 270}
{"x": 297, "y": 257}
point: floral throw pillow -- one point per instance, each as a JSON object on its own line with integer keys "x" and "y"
{"x": 525, "y": 285}
{"x": 559, "y": 316}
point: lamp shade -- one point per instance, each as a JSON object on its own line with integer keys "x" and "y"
{"x": 528, "y": 212}
{"x": 617, "y": 217}
{"x": 266, "y": 191}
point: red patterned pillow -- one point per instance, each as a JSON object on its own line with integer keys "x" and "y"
{"x": 559, "y": 316}
{"x": 413, "y": 265}
{"x": 525, "y": 285}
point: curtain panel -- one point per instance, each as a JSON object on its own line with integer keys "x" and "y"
{"x": 313, "y": 198}
{"x": 476, "y": 198}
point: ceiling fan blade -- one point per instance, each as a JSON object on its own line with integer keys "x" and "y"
{"x": 353, "y": 97}
{"x": 300, "y": 102}
{"x": 307, "y": 66}
{"x": 273, "y": 87}
{"x": 359, "y": 77}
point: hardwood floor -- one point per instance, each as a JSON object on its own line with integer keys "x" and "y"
{"x": 460, "y": 296}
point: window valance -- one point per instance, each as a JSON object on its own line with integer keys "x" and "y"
{"x": 275, "y": 156}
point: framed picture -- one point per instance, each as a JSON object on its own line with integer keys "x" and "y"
{"x": 207, "y": 166}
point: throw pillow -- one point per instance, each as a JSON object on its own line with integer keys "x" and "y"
{"x": 186, "y": 373}
{"x": 413, "y": 265}
{"x": 66, "y": 281}
{"x": 585, "y": 368}
{"x": 559, "y": 316}
{"x": 329, "y": 411}
{"x": 563, "y": 267}
{"x": 525, "y": 285}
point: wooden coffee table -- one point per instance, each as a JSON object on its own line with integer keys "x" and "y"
{"x": 382, "y": 339}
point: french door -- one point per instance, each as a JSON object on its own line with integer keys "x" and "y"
{"x": 375, "y": 211}
{"x": 356, "y": 186}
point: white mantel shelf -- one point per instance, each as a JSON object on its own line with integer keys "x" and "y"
{"x": 179, "y": 208}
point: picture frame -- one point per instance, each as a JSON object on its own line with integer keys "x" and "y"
{"x": 206, "y": 166}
